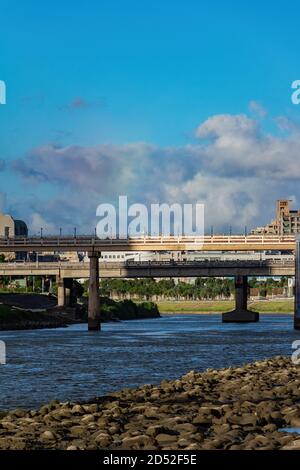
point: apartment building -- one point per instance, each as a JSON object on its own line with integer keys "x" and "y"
{"x": 287, "y": 221}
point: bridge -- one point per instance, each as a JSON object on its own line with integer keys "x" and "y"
{"x": 94, "y": 246}
{"x": 147, "y": 243}
{"x": 153, "y": 269}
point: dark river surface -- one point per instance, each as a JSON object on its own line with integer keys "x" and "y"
{"x": 73, "y": 364}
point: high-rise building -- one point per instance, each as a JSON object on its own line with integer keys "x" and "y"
{"x": 287, "y": 221}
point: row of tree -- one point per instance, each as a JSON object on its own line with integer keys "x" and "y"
{"x": 203, "y": 288}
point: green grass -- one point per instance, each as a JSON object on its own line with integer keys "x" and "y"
{"x": 273, "y": 306}
{"x": 222, "y": 306}
{"x": 195, "y": 306}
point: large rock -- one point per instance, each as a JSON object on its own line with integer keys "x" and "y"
{"x": 137, "y": 442}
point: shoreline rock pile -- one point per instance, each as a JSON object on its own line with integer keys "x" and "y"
{"x": 239, "y": 408}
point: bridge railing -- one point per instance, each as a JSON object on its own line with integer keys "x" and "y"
{"x": 145, "y": 264}
{"x": 64, "y": 241}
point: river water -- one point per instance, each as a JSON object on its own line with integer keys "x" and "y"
{"x": 74, "y": 364}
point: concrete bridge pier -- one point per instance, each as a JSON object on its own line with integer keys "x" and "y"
{"x": 241, "y": 314}
{"x": 64, "y": 292}
{"x": 68, "y": 284}
{"x": 297, "y": 286}
{"x": 60, "y": 292}
{"x": 94, "y": 321}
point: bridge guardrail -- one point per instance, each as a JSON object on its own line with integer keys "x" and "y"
{"x": 61, "y": 241}
{"x": 145, "y": 264}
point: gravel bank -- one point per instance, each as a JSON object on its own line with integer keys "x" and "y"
{"x": 235, "y": 408}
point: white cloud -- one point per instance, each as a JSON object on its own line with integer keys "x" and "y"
{"x": 238, "y": 147}
{"x": 236, "y": 169}
{"x": 2, "y": 201}
{"x": 257, "y": 108}
{"x": 37, "y": 222}
{"x": 226, "y": 125}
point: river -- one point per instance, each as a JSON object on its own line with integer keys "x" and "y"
{"x": 74, "y": 364}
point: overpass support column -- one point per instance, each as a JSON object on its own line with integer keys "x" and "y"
{"x": 241, "y": 314}
{"x": 60, "y": 292}
{"x": 68, "y": 282}
{"x": 297, "y": 286}
{"x": 94, "y": 321}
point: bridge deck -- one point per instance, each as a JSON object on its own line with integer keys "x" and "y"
{"x": 90, "y": 244}
{"x": 205, "y": 268}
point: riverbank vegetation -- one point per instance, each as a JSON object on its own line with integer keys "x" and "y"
{"x": 12, "y": 318}
{"x": 167, "y": 288}
{"x": 273, "y": 306}
{"x": 16, "y": 318}
{"x": 264, "y": 306}
{"x": 127, "y": 310}
{"x": 201, "y": 289}
{"x": 153, "y": 289}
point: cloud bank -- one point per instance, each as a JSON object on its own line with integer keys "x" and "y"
{"x": 236, "y": 168}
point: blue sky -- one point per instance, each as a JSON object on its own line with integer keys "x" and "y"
{"x": 90, "y": 76}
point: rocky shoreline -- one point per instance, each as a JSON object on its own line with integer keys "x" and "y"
{"x": 239, "y": 408}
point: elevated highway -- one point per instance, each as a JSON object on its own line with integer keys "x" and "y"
{"x": 95, "y": 246}
{"x": 154, "y": 269}
{"x": 157, "y": 244}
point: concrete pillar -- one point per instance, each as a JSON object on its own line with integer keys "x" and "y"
{"x": 297, "y": 286}
{"x": 241, "y": 292}
{"x": 94, "y": 321}
{"x": 291, "y": 285}
{"x": 60, "y": 292}
{"x": 241, "y": 314}
{"x": 68, "y": 291}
